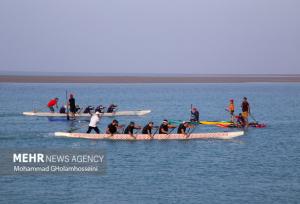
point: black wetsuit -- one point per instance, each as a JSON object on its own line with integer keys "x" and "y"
{"x": 88, "y": 109}
{"x": 62, "y": 110}
{"x": 180, "y": 128}
{"x": 147, "y": 130}
{"x": 164, "y": 127}
{"x": 112, "y": 129}
{"x": 99, "y": 109}
{"x": 111, "y": 108}
{"x": 245, "y": 106}
{"x": 240, "y": 121}
{"x": 93, "y": 128}
{"x": 129, "y": 129}
{"x": 195, "y": 116}
{"x": 72, "y": 105}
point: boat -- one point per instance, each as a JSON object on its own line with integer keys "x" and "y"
{"x": 117, "y": 113}
{"x": 253, "y": 125}
{"x": 204, "y": 122}
{"x": 215, "y": 122}
{"x": 211, "y": 135}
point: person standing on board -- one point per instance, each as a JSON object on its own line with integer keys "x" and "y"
{"x": 112, "y": 127}
{"x": 72, "y": 105}
{"x": 148, "y": 129}
{"x": 95, "y": 119}
{"x": 231, "y": 110}
{"x": 245, "y": 110}
{"x": 129, "y": 129}
{"x": 194, "y": 115}
{"x": 164, "y": 127}
{"x": 51, "y": 104}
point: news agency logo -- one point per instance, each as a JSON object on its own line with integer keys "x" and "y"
{"x": 42, "y": 158}
{"x": 28, "y": 158}
{"x": 55, "y": 161}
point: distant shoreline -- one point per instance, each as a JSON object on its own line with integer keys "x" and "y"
{"x": 152, "y": 79}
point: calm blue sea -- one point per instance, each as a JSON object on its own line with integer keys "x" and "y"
{"x": 261, "y": 167}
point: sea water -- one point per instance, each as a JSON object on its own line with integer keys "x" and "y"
{"x": 260, "y": 167}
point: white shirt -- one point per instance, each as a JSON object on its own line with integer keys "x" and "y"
{"x": 94, "y": 120}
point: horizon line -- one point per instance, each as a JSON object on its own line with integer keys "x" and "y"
{"x": 150, "y": 79}
{"x": 132, "y": 74}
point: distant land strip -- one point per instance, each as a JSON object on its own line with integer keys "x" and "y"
{"x": 150, "y": 79}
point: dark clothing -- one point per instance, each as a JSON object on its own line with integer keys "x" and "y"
{"x": 77, "y": 109}
{"x": 72, "y": 105}
{"x": 164, "y": 127}
{"x": 93, "y": 128}
{"x": 147, "y": 130}
{"x": 99, "y": 109}
{"x": 245, "y": 106}
{"x": 88, "y": 109}
{"x": 180, "y": 128}
{"x": 129, "y": 129}
{"x": 111, "y": 108}
{"x": 62, "y": 110}
{"x": 112, "y": 129}
{"x": 195, "y": 116}
{"x": 51, "y": 109}
{"x": 73, "y": 110}
{"x": 241, "y": 121}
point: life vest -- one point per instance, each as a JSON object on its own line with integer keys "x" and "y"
{"x": 231, "y": 107}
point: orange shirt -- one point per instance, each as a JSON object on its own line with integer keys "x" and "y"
{"x": 231, "y": 107}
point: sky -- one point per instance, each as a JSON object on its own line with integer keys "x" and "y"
{"x": 151, "y": 36}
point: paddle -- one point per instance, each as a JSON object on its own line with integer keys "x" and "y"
{"x": 137, "y": 128}
{"x": 68, "y": 117}
{"x": 38, "y": 105}
{"x": 172, "y": 129}
{"x": 253, "y": 117}
{"x": 192, "y": 130}
{"x": 38, "y": 110}
{"x": 175, "y": 121}
{"x": 157, "y": 128}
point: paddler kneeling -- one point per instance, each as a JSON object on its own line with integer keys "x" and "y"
{"x": 93, "y": 123}
{"x": 240, "y": 121}
{"x": 129, "y": 129}
{"x": 164, "y": 127}
{"x": 112, "y": 127}
{"x": 182, "y": 128}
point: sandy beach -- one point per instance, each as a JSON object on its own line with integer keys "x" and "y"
{"x": 151, "y": 79}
